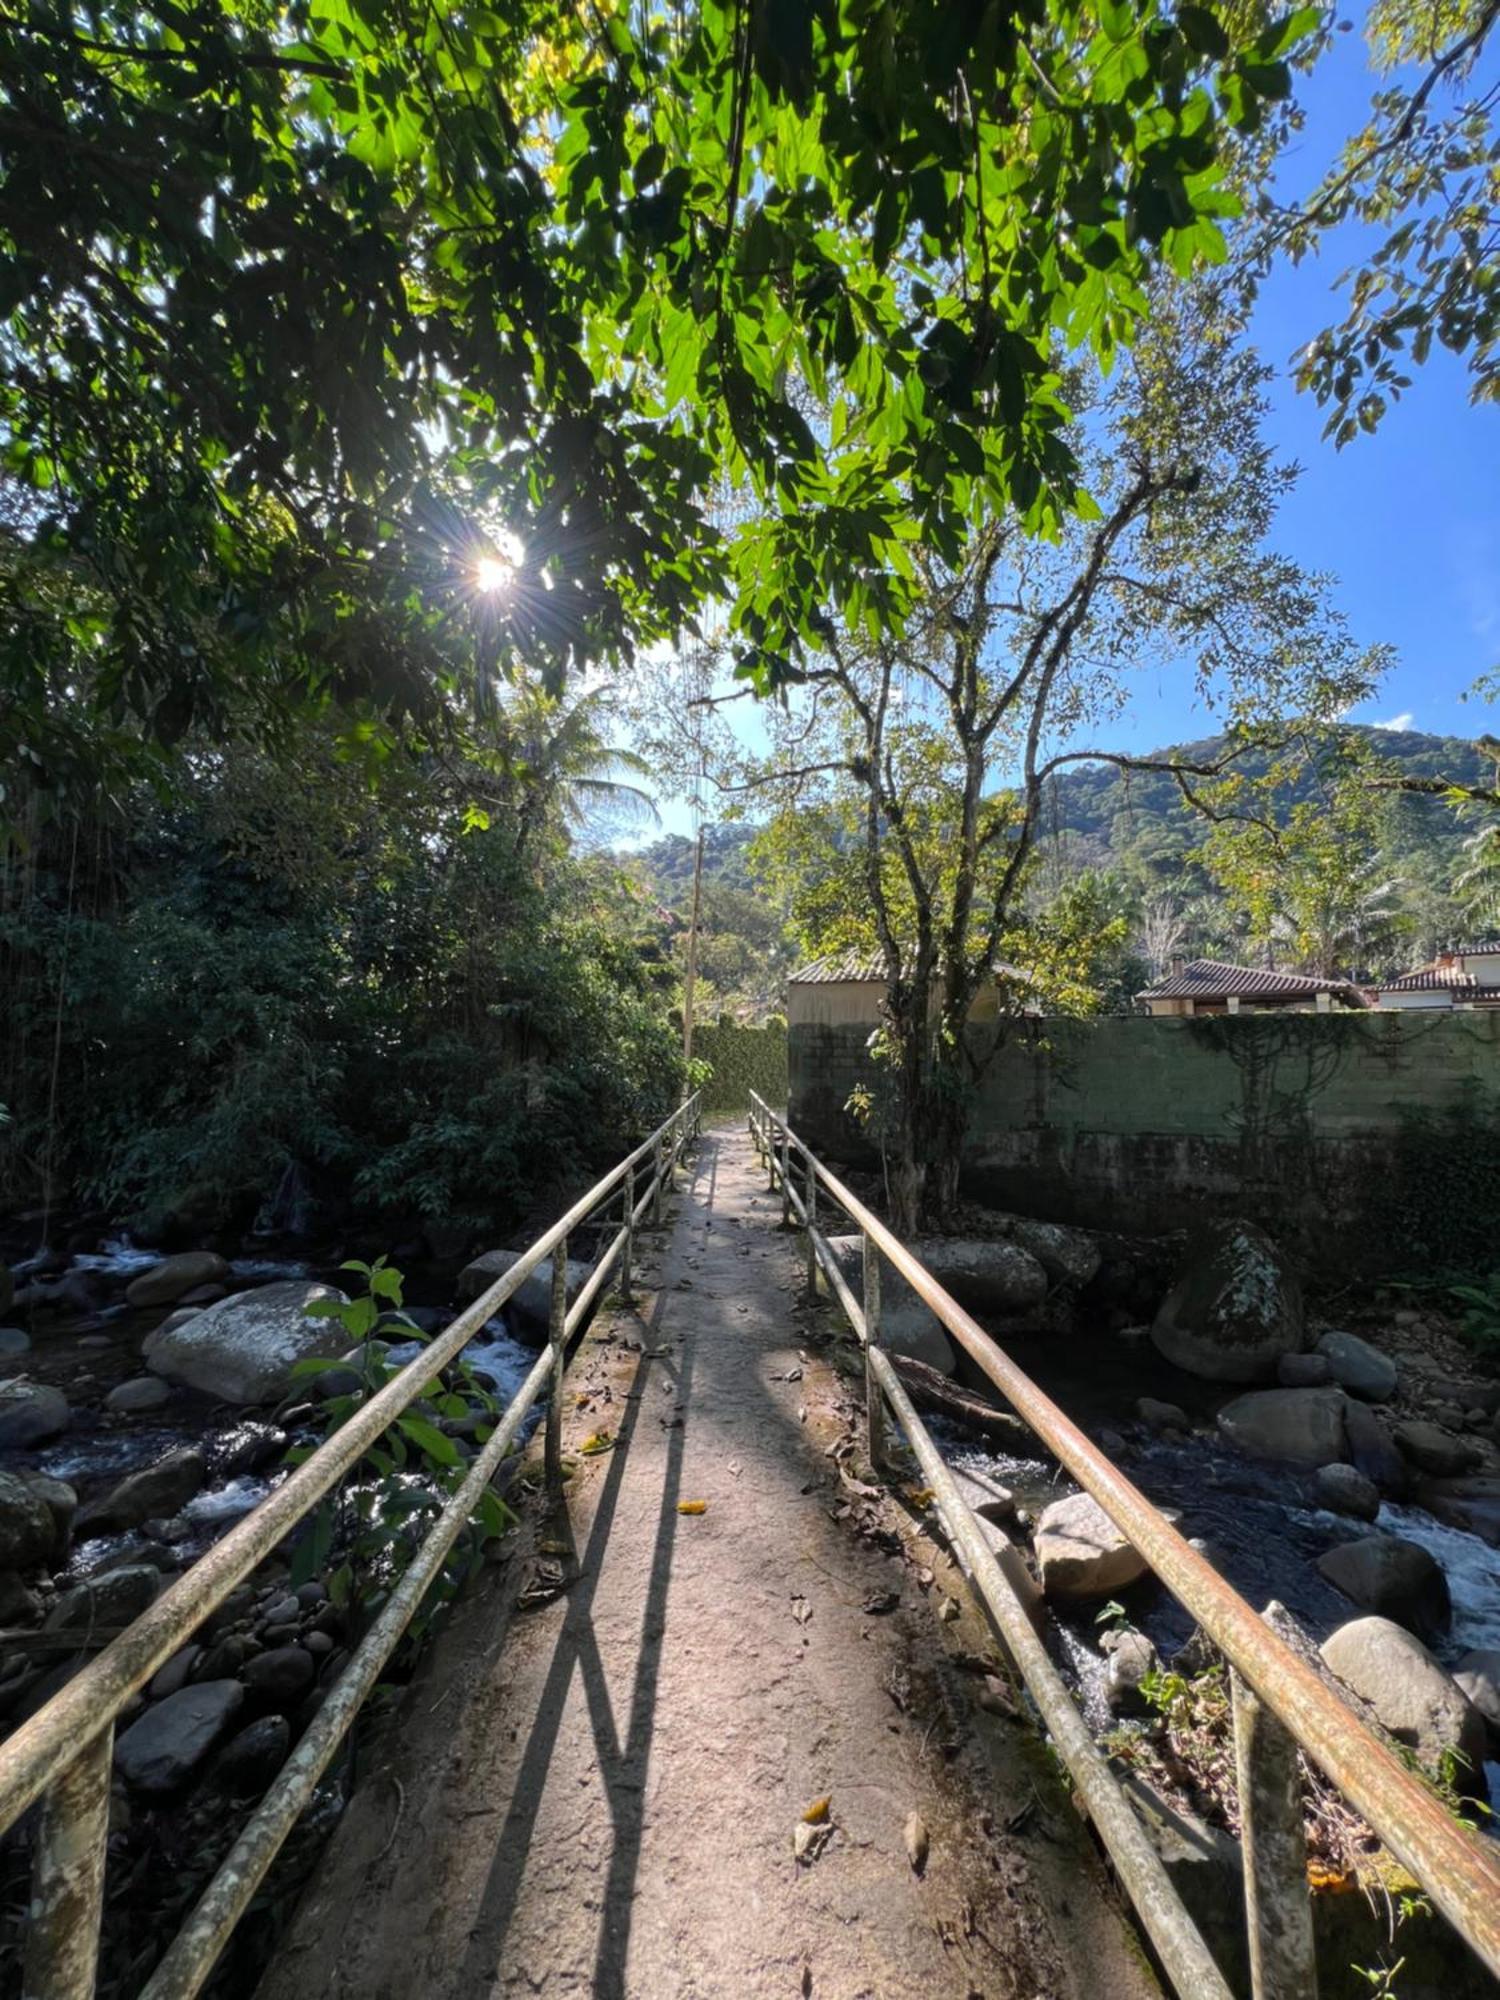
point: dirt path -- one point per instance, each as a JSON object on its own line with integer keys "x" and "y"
{"x": 600, "y": 1796}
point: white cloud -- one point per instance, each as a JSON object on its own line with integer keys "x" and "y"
{"x": 1402, "y": 721}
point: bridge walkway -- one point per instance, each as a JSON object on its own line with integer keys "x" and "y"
{"x": 600, "y": 1795}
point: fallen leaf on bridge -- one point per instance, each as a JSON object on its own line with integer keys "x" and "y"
{"x": 692, "y": 1506}
{"x": 808, "y": 1842}
{"x": 596, "y": 1442}
{"x": 818, "y": 1810}
{"x": 915, "y": 1835}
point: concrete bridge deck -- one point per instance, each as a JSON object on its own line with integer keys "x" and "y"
{"x": 599, "y": 1795}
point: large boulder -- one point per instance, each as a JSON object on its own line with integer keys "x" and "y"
{"x": 161, "y": 1751}
{"x": 28, "y": 1533}
{"x": 1396, "y": 1579}
{"x": 154, "y": 1493}
{"x": 30, "y": 1413}
{"x": 165, "y": 1283}
{"x": 1435, "y": 1450}
{"x": 105, "y": 1602}
{"x": 244, "y": 1349}
{"x": 1420, "y": 1704}
{"x": 992, "y": 1278}
{"x": 1081, "y": 1553}
{"x": 529, "y": 1307}
{"x": 1298, "y": 1426}
{"x": 1357, "y": 1366}
{"x": 1371, "y": 1449}
{"x": 1068, "y": 1256}
{"x": 1235, "y": 1309}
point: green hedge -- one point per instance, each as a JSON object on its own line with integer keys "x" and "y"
{"x": 742, "y": 1060}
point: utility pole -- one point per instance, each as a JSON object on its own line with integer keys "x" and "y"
{"x": 690, "y": 979}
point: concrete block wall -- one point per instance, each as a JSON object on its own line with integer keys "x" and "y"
{"x": 1367, "y": 1139}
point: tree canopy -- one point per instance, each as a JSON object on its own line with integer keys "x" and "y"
{"x": 311, "y": 309}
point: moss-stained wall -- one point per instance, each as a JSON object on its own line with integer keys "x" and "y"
{"x": 1368, "y": 1139}
{"x": 742, "y": 1059}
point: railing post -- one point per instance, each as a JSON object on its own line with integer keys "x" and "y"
{"x": 660, "y": 1163}
{"x": 786, "y": 1180}
{"x": 770, "y": 1153}
{"x": 67, "y": 1878}
{"x": 557, "y": 1334}
{"x": 880, "y": 1457}
{"x": 627, "y": 1251}
{"x": 810, "y": 1197}
{"x": 1278, "y": 1909}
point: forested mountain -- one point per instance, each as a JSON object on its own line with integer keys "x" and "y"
{"x": 1134, "y": 831}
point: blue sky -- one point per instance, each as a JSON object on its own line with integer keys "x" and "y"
{"x": 1405, "y": 522}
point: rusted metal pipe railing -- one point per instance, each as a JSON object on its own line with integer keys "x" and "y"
{"x": 63, "y": 1753}
{"x": 1459, "y": 1872}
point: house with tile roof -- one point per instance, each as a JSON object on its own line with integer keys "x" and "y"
{"x": 1211, "y": 986}
{"x": 846, "y": 987}
{"x": 1465, "y": 975}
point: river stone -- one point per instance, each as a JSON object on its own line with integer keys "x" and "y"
{"x": 165, "y": 1283}
{"x": 1158, "y": 1416}
{"x": 157, "y": 1490}
{"x": 1393, "y": 1578}
{"x": 1432, "y": 1449}
{"x": 248, "y": 1762}
{"x": 104, "y": 1602}
{"x": 1235, "y": 1309}
{"x": 1068, "y": 1256}
{"x": 30, "y": 1413}
{"x": 1345, "y": 1490}
{"x": 1478, "y": 1674}
{"x": 1131, "y": 1657}
{"x": 1303, "y": 1371}
{"x": 1357, "y": 1366}
{"x": 906, "y": 1325}
{"x": 1373, "y": 1451}
{"x": 529, "y": 1307}
{"x": 1298, "y": 1426}
{"x": 1081, "y": 1553}
{"x": 1420, "y": 1704}
{"x": 244, "y": 1349}
{"x": 13, "y": 1343}
{"x": 28, "y": 1533}
{"x": 983, "y": 1275}
{"x": 173, "y": 1674}
{"x": 62, "y": 1502}
{"x": 142, "y": 1392}
{"x": 161, "y": 1751}
{"x": 280, "y": 1676}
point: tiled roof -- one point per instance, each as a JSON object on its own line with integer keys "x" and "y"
{"x": 1213, "y": 979}
{"x": 1430, "y": 979}
{"x": 1480, "y": 948}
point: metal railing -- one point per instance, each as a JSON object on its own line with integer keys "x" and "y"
{"x": 63, "y": 1753}
{"x": 1280, "y": 1704}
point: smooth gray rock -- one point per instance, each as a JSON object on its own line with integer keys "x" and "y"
{"x": 1159, "y": 1416}
{"x": 175, "y": 1673}
{"x": 1434, "y": 1450}
{"x": 1393, "y": 1578}
{"x": 1478, "y": 1674}
{"x": 30, "y": 1413}
{"x": 1235, "y": 1308}
{"x": 1068, "y": 1256}
{"x": 248, "y": 1762}
{"x": 1131, "y": 1658}
{"x": 104, "y": 1602}
{"x": 1345, "y": 1490}
{"x": 157, "y": 1491}
{"x": 1373, "y": 1451}
{"x": 1303, "y": 1371}
{"x": 1420, "y": 1704}
{"x": 280, "y": 1676}
{"x": 27, "y": 1530}
{"x": 1081, "y": 1553}
{"x": 165, "y": 1283}
{"x": 13, "y": 1344}
{"x": 529, "y": 1307}
{"x": 1297, "y": 1426}
{"x": 1357, "y": 1366}
{"x": 142, "y": 1392}
{"x": 244, "y": 1349}
{"x": 160, "y": 1752}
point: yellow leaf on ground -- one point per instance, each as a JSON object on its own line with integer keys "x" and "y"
{"x": 596, "y": 1442}
{"x": 818, "y": 1810}
{"x": 692, "y": 1506}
